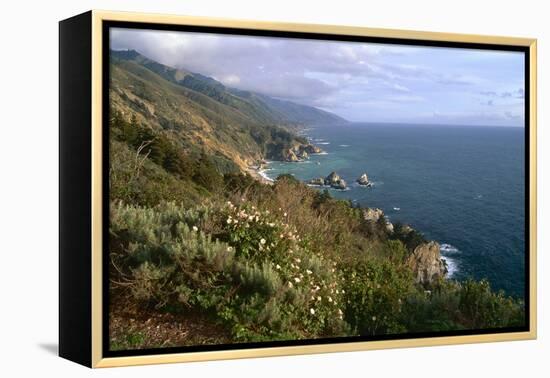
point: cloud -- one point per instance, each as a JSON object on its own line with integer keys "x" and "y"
{"x": 359, "y": 81}
{"x": 518, "y": 93}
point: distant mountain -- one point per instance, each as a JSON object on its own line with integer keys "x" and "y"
{"x": 277, "y": 110}
{"x": 201, "y": 115}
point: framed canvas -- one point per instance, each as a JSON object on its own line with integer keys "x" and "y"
{"x": 235, "y": 189}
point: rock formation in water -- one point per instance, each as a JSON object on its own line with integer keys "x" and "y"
{"x": 364, "y": 180}
{"x": 333, "y": 180}
{"x": 300, "y": 152}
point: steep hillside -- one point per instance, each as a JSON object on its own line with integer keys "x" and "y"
{"x": 201, "y": 253}
{"x": 200, "y": 114}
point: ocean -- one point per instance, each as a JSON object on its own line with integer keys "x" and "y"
{"x": 463, "y": 186}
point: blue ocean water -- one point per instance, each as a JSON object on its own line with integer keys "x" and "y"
{"x": 463, "y": 186}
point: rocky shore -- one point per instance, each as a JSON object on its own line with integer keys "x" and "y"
{"x": 425, "y": 261}
{"x": 427, "y": 264}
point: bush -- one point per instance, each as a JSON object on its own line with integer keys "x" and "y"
{"x": 256, "y": 277}
{"x": 376, "y": 293}
{"x": 409, "y": 236}
{"x": 480, "y": 307}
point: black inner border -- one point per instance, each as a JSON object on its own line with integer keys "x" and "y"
{"x": 106, "y": 25}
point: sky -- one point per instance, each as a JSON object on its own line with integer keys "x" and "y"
{"x": 361, "y": 82}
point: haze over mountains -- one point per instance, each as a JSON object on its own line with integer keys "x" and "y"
{"x": 202, "y": 114}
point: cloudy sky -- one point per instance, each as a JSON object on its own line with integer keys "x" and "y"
{"x": 358, "y": 81}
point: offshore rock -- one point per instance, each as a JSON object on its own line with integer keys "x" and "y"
{"x": 364, "y": 180}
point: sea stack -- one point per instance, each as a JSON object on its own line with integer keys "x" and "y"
{"x": 364, "y": 180}
{"x": 334, "y": 180}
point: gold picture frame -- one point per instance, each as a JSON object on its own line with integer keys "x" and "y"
{"x": 91, "y": 24}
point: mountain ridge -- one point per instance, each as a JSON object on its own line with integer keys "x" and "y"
{"x": 281, "y": 110}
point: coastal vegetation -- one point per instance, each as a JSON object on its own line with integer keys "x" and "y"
{"x": 202, "y": 252}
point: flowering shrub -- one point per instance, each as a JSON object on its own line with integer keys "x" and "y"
{"x": 257, "y": 276}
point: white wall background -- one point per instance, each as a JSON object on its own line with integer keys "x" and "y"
{"x": 28, "y": 200}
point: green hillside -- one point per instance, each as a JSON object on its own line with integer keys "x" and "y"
{"x": 238, "y": 128}
{"x": 200, "y": 252}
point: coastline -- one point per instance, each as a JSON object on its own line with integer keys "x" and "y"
{"x": 259, "y": 173}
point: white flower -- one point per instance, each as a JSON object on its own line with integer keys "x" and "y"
{"x": 195, "y": 228}
{"x": 296, "y": 279}
{"x": 262, "y": 241}
{"x": 312, "y": 311}
{"x": 374, "y": 318}
{"x": 229, "y": 249}
{"x": 290, "y": 284}
{"x": 318, "y": 298}
{"x": 340, "y": 312}
{"x": 251, "y": 217}
{"x": 329, "y": 299}
{"x": 343, "y": 292}
{"x": 278, "y": 266}
{"x": 309, "y": 271}
{"x": 284, "y": 215}
{"x": 257, "y": 218}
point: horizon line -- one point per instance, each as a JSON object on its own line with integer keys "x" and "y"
{"x": 434, "y": 124}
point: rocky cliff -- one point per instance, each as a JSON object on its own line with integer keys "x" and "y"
{"x": 426, "y": 263}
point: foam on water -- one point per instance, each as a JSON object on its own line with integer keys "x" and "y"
{"x": 264, "y": 175}
{"x": 452, "y": 266}
{"x": 447, "y": 248}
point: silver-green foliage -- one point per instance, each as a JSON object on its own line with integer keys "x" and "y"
{"x": 252, "y": 273}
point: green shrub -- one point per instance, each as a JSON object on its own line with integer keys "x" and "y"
{"x": 480, "y": 307}
{"x": 376, "y": 293}
{"x": 256, "y": 277}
